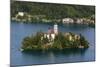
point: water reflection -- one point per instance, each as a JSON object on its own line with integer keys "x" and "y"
{"x": 52, "y": 54}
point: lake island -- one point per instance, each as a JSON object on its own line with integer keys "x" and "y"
{"x": 53, "y": 40}
{"x": 51, "y": 33}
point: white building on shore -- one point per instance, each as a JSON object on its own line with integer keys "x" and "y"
{"x": 21, "y": 13}
{"x": 67, "y": 20}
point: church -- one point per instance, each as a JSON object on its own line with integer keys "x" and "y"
{"x": 52, "y": 33}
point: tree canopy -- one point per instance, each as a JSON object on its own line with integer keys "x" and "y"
{"x": 54, "y": 11}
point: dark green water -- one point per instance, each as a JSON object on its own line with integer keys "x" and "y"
{"x": 19, "y": 31}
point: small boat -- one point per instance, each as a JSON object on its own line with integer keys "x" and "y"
{"x": 21, "y": 49}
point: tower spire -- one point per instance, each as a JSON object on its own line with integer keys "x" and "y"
{"x": 56, "y": 28}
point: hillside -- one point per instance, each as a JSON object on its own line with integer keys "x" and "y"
{"x": 52, "y": 11}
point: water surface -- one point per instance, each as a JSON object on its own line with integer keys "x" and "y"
{"x": 19, "y": 31}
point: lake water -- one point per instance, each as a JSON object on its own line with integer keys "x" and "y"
{"x": 19, "y": 31}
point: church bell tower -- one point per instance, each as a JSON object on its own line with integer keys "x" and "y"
{"x": 56, "y": 29}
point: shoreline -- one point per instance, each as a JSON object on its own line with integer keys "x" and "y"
{"x": 90, "y": 25}
{"x": 54, "y": 50}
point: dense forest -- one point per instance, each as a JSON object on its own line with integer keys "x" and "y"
{"x": 52, "y": 11}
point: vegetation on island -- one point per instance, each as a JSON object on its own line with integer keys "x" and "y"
{"x": 61, "y": 41}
